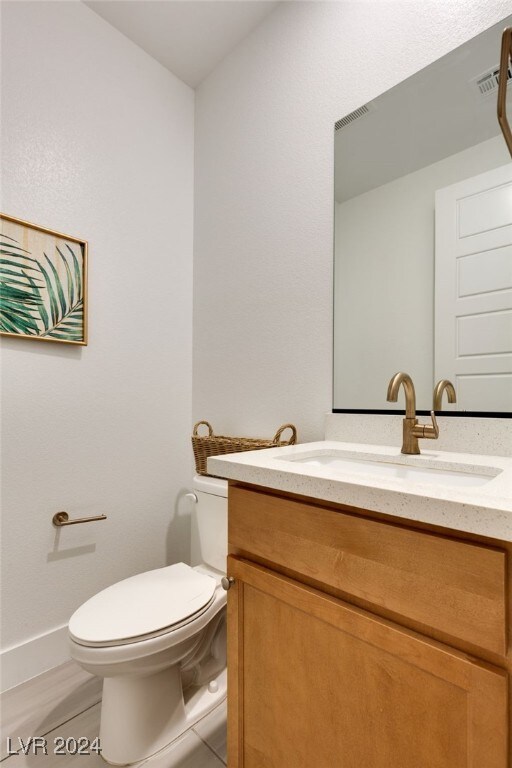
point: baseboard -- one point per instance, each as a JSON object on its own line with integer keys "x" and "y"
{"x": 32, "y": 657}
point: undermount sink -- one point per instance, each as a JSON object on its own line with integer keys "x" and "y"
{"x": 335, "y": 463}
{"x": 459, "y": 491}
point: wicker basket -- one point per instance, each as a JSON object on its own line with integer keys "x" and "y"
{"x": 218, "y": 445}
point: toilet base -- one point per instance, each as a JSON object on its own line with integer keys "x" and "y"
{"x": 141, "y": 715}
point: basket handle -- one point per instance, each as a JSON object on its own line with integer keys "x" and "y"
{"x": 206, "y": 423}
{"x": 280, "y": 431}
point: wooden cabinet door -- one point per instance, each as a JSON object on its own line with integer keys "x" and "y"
{"x": 316, "y": 683}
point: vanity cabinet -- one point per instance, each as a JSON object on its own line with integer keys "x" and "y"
{"x": 355, "y": 641}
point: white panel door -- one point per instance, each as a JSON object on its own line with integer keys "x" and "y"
{"x": 473, "y": 290}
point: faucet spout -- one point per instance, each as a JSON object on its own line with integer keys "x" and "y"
{"x": 442, "y": 386}
{"x": 410, "y": 395}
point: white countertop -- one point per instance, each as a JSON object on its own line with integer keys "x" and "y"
{"x": 485, "y": 510}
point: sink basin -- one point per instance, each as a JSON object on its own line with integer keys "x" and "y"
{"x": 457, "y": 491}
{"x": 335, "y": 463}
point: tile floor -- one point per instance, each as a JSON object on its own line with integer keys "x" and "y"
{"x": 66, "y": 702}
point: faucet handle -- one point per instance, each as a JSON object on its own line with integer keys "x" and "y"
{"x": 430, "y": 431}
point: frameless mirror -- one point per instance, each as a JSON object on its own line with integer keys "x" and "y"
{"x": 423, "y": 238}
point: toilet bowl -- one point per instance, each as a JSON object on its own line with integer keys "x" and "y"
{"x": 159, "y": 641}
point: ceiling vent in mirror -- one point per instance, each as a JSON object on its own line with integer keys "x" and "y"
{"x": 488, "y": 81}
{"x": 355, "y": 115}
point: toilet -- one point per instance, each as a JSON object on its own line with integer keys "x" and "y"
{"x": 159, "y": 640}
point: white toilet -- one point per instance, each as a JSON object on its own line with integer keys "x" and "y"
{"x": 159, "y": 640}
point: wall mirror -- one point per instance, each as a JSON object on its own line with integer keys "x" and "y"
{"x": 423, "y": 239}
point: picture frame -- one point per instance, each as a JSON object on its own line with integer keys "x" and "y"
{"x": 43, "y": 283}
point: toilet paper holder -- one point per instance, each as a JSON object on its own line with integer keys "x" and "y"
{"x": 62, "y": 518}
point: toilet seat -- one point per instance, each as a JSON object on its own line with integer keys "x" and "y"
{"x": 144, "y": 606}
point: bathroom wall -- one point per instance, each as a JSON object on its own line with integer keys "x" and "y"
{"x": 97, "y": 141}
{"x": 264, "y": 195}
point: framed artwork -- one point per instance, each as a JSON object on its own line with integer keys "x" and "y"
{"x": 43, "y": 283}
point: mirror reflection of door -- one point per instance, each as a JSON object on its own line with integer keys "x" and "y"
{"x": 473, "y": 289}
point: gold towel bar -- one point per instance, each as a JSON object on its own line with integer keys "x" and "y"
{"x": 62, "y": 518}
{"x": 506, "y": 56}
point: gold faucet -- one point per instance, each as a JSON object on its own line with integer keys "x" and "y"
{"x": 411, "y": 429}
{"x": 440, "y": 387}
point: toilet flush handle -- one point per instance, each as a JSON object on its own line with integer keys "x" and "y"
{"x": 227, "y": 582}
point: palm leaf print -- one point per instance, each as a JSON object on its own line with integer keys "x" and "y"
{"x": 19, "y": 295}
{"x": 35, "y": 300}
{"x": 65, "y": 299}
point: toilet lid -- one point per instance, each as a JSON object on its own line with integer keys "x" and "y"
{"x": 142, "y": 605}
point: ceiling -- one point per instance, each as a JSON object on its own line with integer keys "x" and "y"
{"x": 188, "y": 38}
{"x": 433, "y": 114}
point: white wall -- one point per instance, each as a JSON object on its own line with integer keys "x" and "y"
{"x": 97, "y": 142}
{"x": 264, "y": 195}
{"x": 384, "y": 280}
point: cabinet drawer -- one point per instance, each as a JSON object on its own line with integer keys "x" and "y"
{"x": 453, "y": 586}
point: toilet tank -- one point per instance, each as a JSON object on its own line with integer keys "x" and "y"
{"x": 209, "y": 534}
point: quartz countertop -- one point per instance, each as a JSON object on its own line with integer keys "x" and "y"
{"x": 485, "y": 510}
